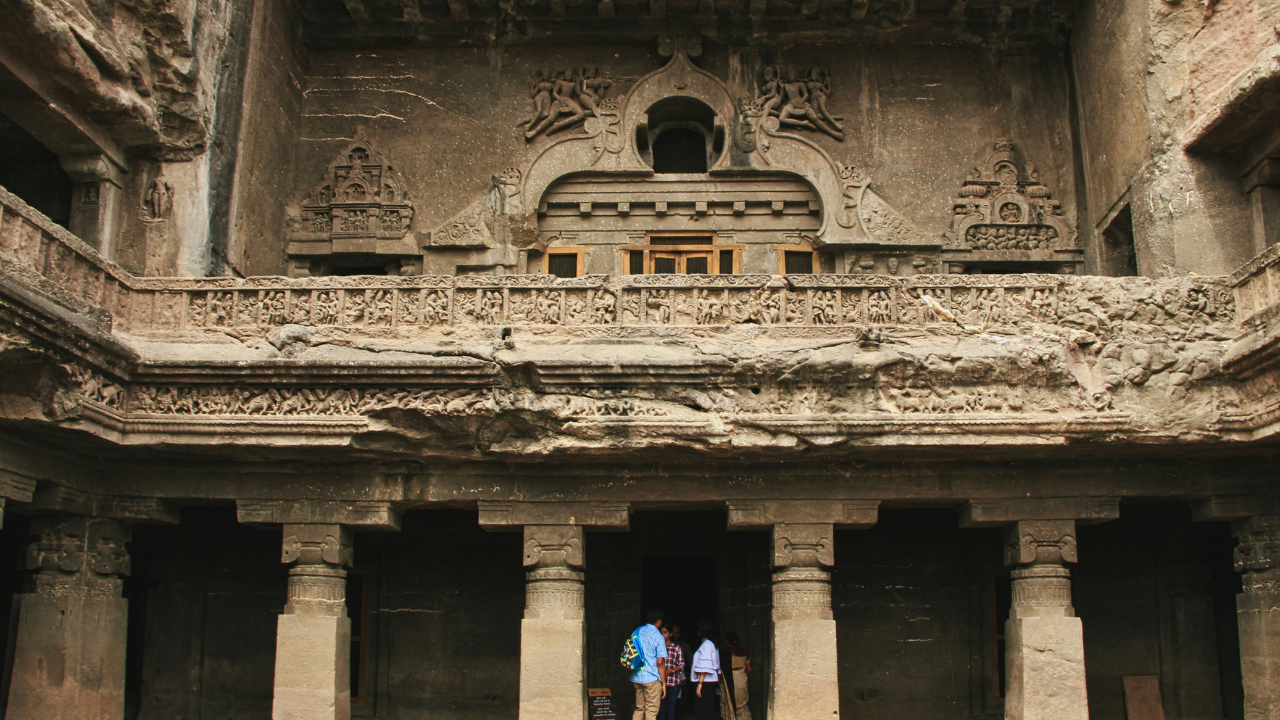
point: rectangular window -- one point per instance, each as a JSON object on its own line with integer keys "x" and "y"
{"x": 664, "y": 264}
{"x": 799, "y": 263}
{"x": 696, "y": 265}
{"x": 681, "y": 254}
{"x": 563, "y": 265}
{"x": 726, "y": 262}
{"x": 681, "y": 240}
{"x": 636, "y": 262}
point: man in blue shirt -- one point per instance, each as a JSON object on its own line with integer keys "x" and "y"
{"x": 650, "y": 679}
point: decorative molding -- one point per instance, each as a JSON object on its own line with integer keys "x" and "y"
{"x": 1040, "y": 542}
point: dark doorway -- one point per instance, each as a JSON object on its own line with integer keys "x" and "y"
{"x": 32, "y": 172}
{"x": 686, "y": 588}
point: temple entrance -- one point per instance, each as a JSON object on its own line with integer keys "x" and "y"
{"x": 686, "y": 588}
{"x": 689, "y": 566}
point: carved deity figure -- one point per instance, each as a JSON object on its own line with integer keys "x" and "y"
{"x": 592, "y": 88}
{"x": 158, "y": 201}
{"x": 819, "y": 87}
{"x": 796, "y": 110}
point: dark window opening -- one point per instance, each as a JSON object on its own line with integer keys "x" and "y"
{"x": 356, "y": 604}
{"x": 664, "y": 265}
{"x": 726, "y": 262}
{"x": 680, "y": 150}
{"x": 696, "y": 265}
{"x": 636, "y": 262}
{"x": 359, "y": 270}
{"x": 799, "y": 263}
{"x": 32, "y": 172}
{"x": 1117, "y": 255}
{"x": 686, "y": 588}
{"x": 563, "y": 265}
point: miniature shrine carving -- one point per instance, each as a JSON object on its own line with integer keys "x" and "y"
{"x": 361, "y": 196}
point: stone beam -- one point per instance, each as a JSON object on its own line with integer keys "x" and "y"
{"x": 366, "y": 515}
{"x": 30, "y": 100}
{"x": 1234, "y": 507}
{"x": 764, "y": 514}
{"x": 595, "y": 515}
{"x": 998, "y": 513}
{"x": 50, "y": 498}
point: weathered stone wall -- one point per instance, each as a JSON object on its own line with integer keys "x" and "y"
{"x": 918, "y": 118}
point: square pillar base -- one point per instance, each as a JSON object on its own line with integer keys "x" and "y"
{"x": 552, "y": 685}
{"x": 1046, "y": 673}
{"x": 1259, "y": 619}
{"x": 805, "y": 683}
{"x": 68, "y": 659}
{"x": 313, "y": 668}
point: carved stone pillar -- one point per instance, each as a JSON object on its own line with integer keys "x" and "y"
{"x": 95, "y": 205}
{"x": 1263, "y": 185}
{"x": 552, "y": 633}
{"x": 71, "y": 622}
{"x": 313, "y": 635}
{"x": 1044, "y": 640}
{"x": 804, "y": 682}
{"x": 1258, "y": 612}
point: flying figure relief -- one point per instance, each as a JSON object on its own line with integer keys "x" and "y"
{"x": 556, "y": 93}
{"x": 798, "y": 99}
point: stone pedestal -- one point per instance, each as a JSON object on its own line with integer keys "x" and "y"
{"x": 1044, "y": 640}
{"x": 552, "y": 633}
{"x": 69, "y": 652}
{"x": 1258, "y": 608}
{"x": 313, "y": 636}
{"x": 804, "y": 685}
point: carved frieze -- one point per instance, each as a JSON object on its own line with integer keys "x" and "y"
{"x": 360, "y": 197}
{"x": 1004, "y": 212}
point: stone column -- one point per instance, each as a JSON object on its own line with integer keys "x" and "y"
{"x": 313, "y": 635}
{"x": 71, "y": 622}
{"x": 553, "y": 633}
{"x": 804, "y": 685}
{"x": 1258, "y": 612}
{"x": 1263, "y": 185}
{"x": 1044, "y": 640}
{"x": 95, "y": 205}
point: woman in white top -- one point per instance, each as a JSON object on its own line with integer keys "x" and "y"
{"x": 705, "y": 669}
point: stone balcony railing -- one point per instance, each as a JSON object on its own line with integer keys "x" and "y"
{"x": 602, "y": 363}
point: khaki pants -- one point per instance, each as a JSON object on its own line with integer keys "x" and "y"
{"x": 648, "y": 699}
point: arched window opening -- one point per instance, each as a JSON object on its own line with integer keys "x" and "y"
{"x": 680, "y": 150}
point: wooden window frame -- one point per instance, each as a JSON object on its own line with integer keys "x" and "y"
{"x": 581, "y": 252}
{"x": 782, "y": 251}
{"x": 713, "y": 249}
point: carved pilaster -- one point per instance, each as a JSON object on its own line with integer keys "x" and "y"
{"x": 318, "y": 579}
{"x": 1037, "y": 549}
{"x": 801, "y": 585}
{"x": 1257, "y": 557}
{"x": 71, "y": 617}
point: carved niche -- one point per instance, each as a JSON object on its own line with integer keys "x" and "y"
{"x": 1004, "y": 214}
{"x": 360, "y": 198}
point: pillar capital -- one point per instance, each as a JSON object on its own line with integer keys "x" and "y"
{"x": 1040, "y": 542}
{"x": 595, "y": 515}
{"x": 806, "y": 545}
{"x": 554, "y": 546}
{"x": 78, "y": 555}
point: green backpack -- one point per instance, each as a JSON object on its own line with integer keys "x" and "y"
{"x": 631, "y": 658}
